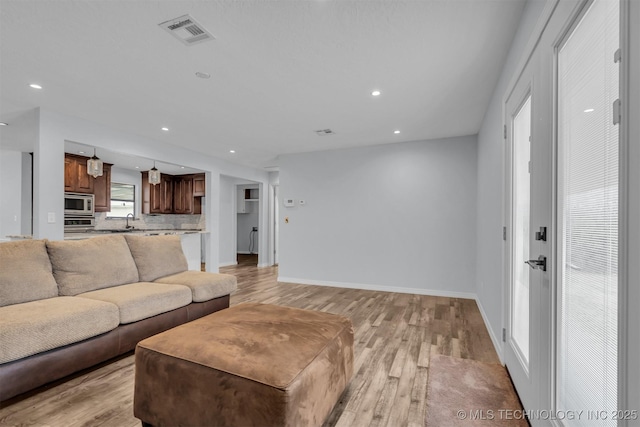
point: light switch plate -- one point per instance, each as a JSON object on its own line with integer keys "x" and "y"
{"x": 51, "y": 217}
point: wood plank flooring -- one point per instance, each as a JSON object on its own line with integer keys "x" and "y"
{"x": 395, "y": 335}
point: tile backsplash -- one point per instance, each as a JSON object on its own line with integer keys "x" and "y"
{"x": 153, "y": 222}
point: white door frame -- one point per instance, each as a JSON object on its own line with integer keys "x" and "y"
{"x": 564, "y": 13}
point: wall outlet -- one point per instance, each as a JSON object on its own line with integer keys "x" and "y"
{"x": 51, "y": 217}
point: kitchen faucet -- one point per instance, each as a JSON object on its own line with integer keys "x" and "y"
{"x": 133, "y": 218}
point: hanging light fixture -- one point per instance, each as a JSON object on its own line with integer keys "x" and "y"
{"x": 94, "y": 165}
{"x": 154, "y": 175}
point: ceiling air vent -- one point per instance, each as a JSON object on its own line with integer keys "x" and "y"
{"x": 187, "y": 30}
{"x": 324, "y": 132}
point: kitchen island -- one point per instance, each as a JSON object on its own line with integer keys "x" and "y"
{"x": 190, "y": 239}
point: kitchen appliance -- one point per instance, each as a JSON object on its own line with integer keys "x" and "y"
{"x": 77, "y": 204}
{"x": 78, "y": 224}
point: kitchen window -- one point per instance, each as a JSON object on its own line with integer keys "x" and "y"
{"x": 123, "y": 200}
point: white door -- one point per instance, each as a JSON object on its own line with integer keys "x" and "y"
{"x": 562, "y": 214}
{"x": 587, "y": 216}
{"x": 528, "y": 219}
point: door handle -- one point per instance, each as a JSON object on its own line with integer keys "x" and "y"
{"x": 540, "y": 263}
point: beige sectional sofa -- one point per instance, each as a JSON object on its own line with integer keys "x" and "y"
{"x": 68, "y": 305}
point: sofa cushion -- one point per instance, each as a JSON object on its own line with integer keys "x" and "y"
{"x": 204, "y": 286}
{"x": 86, "y": 265}
{"x": 137, "y": 301}
{"x": 157, "y": 256}
{"x": 25, "y": 272}
{"x": 37, "y": 326}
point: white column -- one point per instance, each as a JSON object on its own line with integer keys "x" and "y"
{"x": 48, "y": 179}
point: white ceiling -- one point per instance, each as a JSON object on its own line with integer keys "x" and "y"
{"x": 279, "y": 70}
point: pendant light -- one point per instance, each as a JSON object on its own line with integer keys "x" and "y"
{"x": 94, "y": 165}
{"x": 154, "y": 175}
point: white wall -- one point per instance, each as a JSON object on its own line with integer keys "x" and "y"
{"x": 228, "y": 250}
{"x": 27, "y": 193}
{"x": 10, "y": 193}
{"x": 397, "y": 217}
{"x": 489, "y": 255}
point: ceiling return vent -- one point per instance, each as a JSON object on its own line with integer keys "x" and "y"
{"x": 187, "y": 30}
{"x": 324, "y": 132}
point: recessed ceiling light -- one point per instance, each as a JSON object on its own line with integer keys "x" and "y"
{"x": 232, "y": 151}
{"x": 589, "y": 110}
{"x": 376, "y": 93}
{"x": 203, "y": 75}
{"x": 4, "y": 124}
{"x": 181, "y": 167}
{"x": 165, "y": 129}
{"x": 35, "y": 86}
{"x": 396, "y": 131}
{"x": 80, "y": 152}
{"x": 137, "y": 167}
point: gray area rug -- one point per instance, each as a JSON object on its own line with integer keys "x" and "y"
{"x": 463, "y": 392}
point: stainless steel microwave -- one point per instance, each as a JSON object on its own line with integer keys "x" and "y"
{"x": 76, "y": 204}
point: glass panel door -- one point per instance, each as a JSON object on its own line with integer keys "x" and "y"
{"x": 588, "y": 216}
{"x": 522, "y": 203}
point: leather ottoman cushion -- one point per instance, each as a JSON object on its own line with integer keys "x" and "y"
{"x": 249, "y": 365}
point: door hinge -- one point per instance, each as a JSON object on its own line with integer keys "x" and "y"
{"x": 617, "y": 56}
{"x": 504, "y": 335}
{"x": 617, "y": 114}
{"x": 504, "y": 233}
{"x": 505, "y": 131}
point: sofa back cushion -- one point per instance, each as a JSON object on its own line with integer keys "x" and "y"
{"x": 157, "y": 256}
{"x": 25, "y": 272}
{"x": 96, "y": 263}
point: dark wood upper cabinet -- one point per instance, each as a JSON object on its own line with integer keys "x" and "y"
{"x": 174, "y": 195}
{"x": 102, "y": 189}
{"x": 157, "y": 198}
{"x": 198, "y": 185}
{"x": 76, "y": 179}
{"x": 183, "y": 194}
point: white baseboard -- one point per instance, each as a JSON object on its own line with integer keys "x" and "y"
{"x": 246, "y": 253}
{"x": 497, "y": 343}
{"x": 381, "y": 288}
{"x": 264, "y": 264}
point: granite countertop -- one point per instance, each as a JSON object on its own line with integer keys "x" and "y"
{"x": 137, "y": 231}
{"x": 19, "y": 236}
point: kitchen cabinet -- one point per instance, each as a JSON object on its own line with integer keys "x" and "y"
{"x": 176, "y": 194}
{"x": 183, "y": 194}
{"x": 157, "y": 198}
{"x": 198, "y": 185}
{"x": 76, "y": 179}
{"x": 102, "y": 189}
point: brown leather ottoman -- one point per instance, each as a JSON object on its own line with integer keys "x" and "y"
{"x": 248, "y": 365}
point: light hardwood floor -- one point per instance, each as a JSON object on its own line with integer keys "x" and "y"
{"x": 395, "y": 334}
